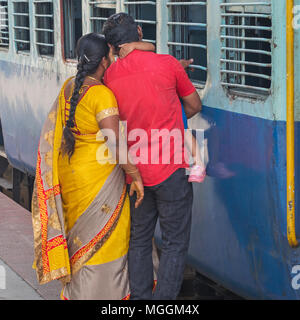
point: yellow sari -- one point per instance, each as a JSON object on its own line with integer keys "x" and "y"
{"x": 81, "y": 213}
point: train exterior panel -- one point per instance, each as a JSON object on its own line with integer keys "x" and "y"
{"x": 239, "y": 236}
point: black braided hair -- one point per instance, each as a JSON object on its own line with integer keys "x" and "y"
{"x": 90, "y": 50}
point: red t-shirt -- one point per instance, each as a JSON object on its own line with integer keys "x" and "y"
{"x": 147, "y": 87}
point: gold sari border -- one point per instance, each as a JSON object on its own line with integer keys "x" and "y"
{"x": 56, "y": 242}
{"x": 40, "y": 226}
{"x": 47, "y": 268}
{"x": 113, "y": 111}
{"x": 41, "y": 196}
{"x": 60, "y": 274}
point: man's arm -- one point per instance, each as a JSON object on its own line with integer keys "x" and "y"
{"x": 186, "y": 90}
{"x": 192, "y": 104}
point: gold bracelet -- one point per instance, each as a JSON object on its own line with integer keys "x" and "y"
{"x": 130, "y": 172}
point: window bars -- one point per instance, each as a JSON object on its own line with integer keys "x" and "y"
{"x": 21, "y": 25}
{"x": 44, "y": 27}
{"x": 72, "y": 15}
{"x": 4, "y": 29}
{"x": 144, "y": 13}
{"x": 187, "y": 35}
{"x": 246, "y": 35}
{"x": 99, "y": 12}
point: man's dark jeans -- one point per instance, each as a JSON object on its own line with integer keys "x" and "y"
{"x": 171, "y": 202}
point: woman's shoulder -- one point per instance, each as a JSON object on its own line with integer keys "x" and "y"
{"x": 101, "y": 97}
{"x": 101, "y": 91}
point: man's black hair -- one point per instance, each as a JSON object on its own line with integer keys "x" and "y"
{"x": 120, "y": 28}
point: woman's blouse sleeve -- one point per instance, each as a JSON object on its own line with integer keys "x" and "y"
{"x": 105, "y": 103}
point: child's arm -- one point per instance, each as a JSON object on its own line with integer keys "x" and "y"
{"x": 126, "y": 48}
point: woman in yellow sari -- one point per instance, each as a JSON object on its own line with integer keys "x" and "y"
{"x": 80, "y": 206}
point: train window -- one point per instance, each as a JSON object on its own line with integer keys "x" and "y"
{"x": 21, "y": 26}
{"x": 188, "y": 35}
{"x": 72, "y": 11}
{"x": 99, "y": 12}
{"x": 4, "y": 32}
{"x": 246, "y": 34}
{"x": 44, "y": 29}
{"x": 144, "y": 13}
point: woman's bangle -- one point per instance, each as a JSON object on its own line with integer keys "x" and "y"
{"x": 131, "y": 172}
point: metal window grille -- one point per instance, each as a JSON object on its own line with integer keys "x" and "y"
{"x": 99, "y": 12}
{"x": 72, "y": 12}
{"x": 144, "y": 13}
{"x": 44, "y": 27}
{"x": 21, "y": 26}
{"x": 246, "y": 34}
{"x": 4, "y": 31}
{"x": 188, "y": 35}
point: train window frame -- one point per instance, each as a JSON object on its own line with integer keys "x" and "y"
{"x": 159, "y": 36}
{"x": 67, "y": 29}
{"x": 4, "y": 27}
{"x": 182, "y": 48}
{"x": 136, "y": 9}
{"x": 99, "y": 12}
{"x": 239, "y": 70}
{"x": 44, "y": 35}
{"x": 18, "y": 27}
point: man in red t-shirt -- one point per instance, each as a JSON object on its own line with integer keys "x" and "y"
{"x": 148, "y": 87}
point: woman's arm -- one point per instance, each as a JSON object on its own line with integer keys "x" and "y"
{"x": 127, "y": 48}
{"x": 118, "y": 146}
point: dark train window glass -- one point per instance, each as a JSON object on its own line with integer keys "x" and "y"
{"x": 188, "y": 35}
{"x": 246, "y": 34}
{"x": 99, "y": 13}
{"x": 44, "y": 29}
{"x": 4, "y": 28}
{"x": 72, "y": 10}
{"x": 144, "y": 14}
{"x": 21, "y": 26}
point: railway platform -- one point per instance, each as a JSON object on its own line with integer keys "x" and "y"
{"x": 18, "y": 279}
{"x": 16, "y": 256}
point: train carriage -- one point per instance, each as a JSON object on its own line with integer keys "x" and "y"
{"x": 245, "y": 223}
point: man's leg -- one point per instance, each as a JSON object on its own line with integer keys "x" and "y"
{"x": 143, "y": 222}
{"x": 174, "y": 199}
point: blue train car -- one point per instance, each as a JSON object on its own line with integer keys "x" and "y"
{"x": 243, "y": 68}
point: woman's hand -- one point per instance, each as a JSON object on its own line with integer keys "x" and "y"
{"x": 126, "y": 48}
{"x": 138, "y": 187}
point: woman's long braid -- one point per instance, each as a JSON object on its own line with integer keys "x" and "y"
{"x": 91, "y": 49}
{"x": 69, "y": 144}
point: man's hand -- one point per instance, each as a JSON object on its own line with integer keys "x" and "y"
{"x": 186, "y": 63}
{"x": 137, "y": 186}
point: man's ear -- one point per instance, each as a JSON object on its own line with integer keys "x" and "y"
{"x": 140, "y": 32}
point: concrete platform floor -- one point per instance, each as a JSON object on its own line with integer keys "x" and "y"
{"x": 16, "y": 256}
